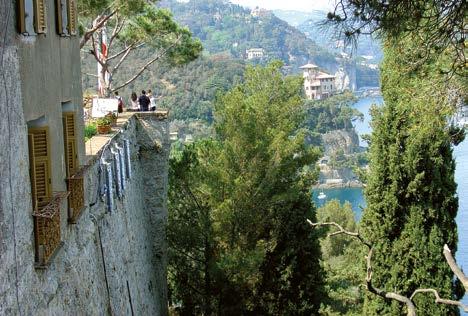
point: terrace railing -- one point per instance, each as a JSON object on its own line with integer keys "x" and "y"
{"x": 47, "y": 234}
{"x": 76, "y": 199}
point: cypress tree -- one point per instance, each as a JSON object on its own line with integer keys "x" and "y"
{"x": 411, "y": 192}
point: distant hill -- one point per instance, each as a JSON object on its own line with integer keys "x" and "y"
{"x": 326, "y": 37}
{"x": 296, "y": 18}
{"x": 311, "y": 24}
{"x": 230, "y": 28}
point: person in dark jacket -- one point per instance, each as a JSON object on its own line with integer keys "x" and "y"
{"x": 144, "y": 101}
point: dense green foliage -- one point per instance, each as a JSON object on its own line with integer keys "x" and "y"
{"x": 411, "y": 192}
{"x": 90, "y": 130}
{"x": 190, "y": 91}
{"x": 91, "y": 9}
{"x": 341, "y": 262}
{"x": 239, "y": 243}
{"x": 332, "y": 113}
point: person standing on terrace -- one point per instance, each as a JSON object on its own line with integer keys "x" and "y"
{"x": 144, "y": 101}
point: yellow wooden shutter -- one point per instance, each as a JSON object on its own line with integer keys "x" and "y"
{"x": 58, "y": 14}
{"x": 71, "y": 5}
{"x": 39, "y": 155}
{"x": 21, "y": 17}
{"x": 71, "y": 155}
{"x": 40, "y": 19}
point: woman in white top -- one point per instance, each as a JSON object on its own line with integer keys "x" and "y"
{"x": 134, "y": 102}
{"x": 152, "y": 100}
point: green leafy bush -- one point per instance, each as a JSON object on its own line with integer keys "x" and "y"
{"x": 90, "y": 130}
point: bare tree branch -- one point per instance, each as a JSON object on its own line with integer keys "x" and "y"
{"x": 389, "y": 295}
{"x": 145, "y": 66}
{"x": 95, "y": 52}
{"x": 440, "y": 300}
{"x": 121, "y": 60}
{"x": 125, "y": 55}
{"x": 408, "y": 301}
{"x": 97, "y": 24}
{"x": 455, "y": 268}
{"x": 119, "y": 24}
{"x": 341, "y": 231}
{"x": 133, "y": 46}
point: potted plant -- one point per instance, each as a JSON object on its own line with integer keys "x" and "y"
{"x": 112, "y": 117}
{"x": 104, "y": 125}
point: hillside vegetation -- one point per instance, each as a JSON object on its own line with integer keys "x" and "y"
{"x": 227, "y": 27}
{"x": 226, "y": 31}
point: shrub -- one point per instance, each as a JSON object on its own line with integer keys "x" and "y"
{"x": 90, "y": 130}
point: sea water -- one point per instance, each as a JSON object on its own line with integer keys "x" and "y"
{"x": 353, "y": 196}
{"x": 356, "y": 198}
{"x": 461, "y": 177}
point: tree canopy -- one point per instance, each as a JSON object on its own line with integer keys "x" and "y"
{"x": 411, "y": 191}
{"x": 121, "y": 28}
{"x": 436, "y": 25}
{"x": 246, "y": 246}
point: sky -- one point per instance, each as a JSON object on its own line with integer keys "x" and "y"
{"x": 300, "y": 5}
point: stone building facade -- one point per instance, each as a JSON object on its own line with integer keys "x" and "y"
{"x": 72, "y": 239}
{"x": 255, "y": 53}
{"x": 317, "y": 84}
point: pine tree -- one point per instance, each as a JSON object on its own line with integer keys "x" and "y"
{"x": 239, "y": 204}
{"x": 411, "y": 192}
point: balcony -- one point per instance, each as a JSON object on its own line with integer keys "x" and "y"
{"x": 47, "y": 236}
{"x": 76, "y": 198}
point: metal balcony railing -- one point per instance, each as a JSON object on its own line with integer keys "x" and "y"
{"x": 76, "y": 202}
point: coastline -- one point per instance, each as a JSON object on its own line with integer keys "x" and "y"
{"x": 341, "y": 185}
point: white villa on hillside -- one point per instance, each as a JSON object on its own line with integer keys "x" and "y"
{"x": 259, "y": 12}
{"x": 317, "y": 84}
{"x": 255, "y": 53}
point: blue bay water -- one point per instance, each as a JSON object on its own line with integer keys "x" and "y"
{"x": 461, "y": 177}
{"x": 356, "y": 198}
{"x": 351, "y": 195}
{"x": 364, "y": 105}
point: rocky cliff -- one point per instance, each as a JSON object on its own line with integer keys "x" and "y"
{"x": 340, "y": 148}
{"x": 340, "y": 140}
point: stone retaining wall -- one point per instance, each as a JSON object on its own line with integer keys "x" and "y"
{"x": 111, "y": 261}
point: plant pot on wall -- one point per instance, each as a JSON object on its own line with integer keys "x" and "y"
{"x": 104, "y": 129}
{"x": 104, "y": 125}
{"x": 112, "y": 117}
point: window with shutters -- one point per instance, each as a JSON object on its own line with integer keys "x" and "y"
{"x": 61, "y": 13}
{"x": 72, "y": 17}
{"x": 45, "y": 203}
{"x": 65, "y": 11}
{"x": 75, "y": 175}
{"x": 32, "y": 17}
{"x": 39, "y": 156}
{"x": 71, "y": 155}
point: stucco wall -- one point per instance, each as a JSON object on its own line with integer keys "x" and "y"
{"x": 50, "y": 74}
{"x": 110, "y": 262}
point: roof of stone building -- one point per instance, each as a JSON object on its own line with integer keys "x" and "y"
{"x": 324, "y": 75}
{"x": 308, "y": 66}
